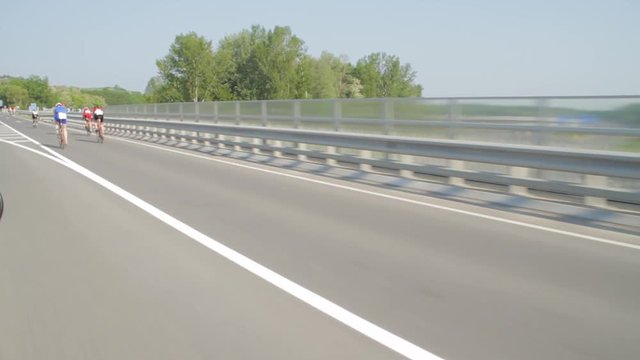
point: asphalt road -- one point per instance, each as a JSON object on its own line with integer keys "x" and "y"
{"x": 85, "y": 274}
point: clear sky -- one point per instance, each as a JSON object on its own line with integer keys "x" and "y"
{"x": 457, "y": 48}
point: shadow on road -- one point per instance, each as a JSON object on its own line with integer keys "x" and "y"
{"x": 53, "y": 146}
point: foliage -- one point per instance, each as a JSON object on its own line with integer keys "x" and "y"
{"x": 116, "y": 95}
{"x": 21, "y": 92}
{"x": 76, "y": 98}
{"x": 629, "y": 114}
{"x": 187, "y": 69}
{"x": 382, "y": 75}
{"x": 261, "y": 64}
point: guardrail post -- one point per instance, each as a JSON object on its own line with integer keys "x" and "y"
{"x": 237, "y": 139}
{"x": 180, "y": 110}
{"x": 215, "y": 112}
{"x": 518, "y": 172}
{"x": 452, "y": 115}
{"x": 296, "y": 115}
{"x": 406, "y": 159}
{"x": 237, "y": 113}
{"x": 539, "y": 135}
{"x": 599, "y": 182}
{"x": 278, "y": 144}
{"x": 456, "y": 165}
{"x": 331, "y": 150}
{"x": 257, "y": 141}
{"x": 337, "y": 114}
{"x": 263, "y": 113}
{"x": 197, "y": 112}
{"x": 366, "y": 154}
{"x": 302, "y": 147}
{"x": 389, "y": 116}
{"x": 155, "y": 110}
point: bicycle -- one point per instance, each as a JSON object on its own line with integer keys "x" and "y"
{"x": 63, "y": 129}
{"x": 100, "y": 131}
{"x": 87, "y": 126}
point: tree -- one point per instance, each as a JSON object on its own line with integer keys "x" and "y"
{"x": 382, "y": 75}
{"x": 278, "y": 59}
{"x": 260, "y": 64}
{"x": 116, "y": 95}
{"x": 331, "y": 75}
{"x": 187, "y": 69}
{"x": 15, "y": 95}
{"x": 158, "y": 91}
{"x": 38, "y": 89}
{"x": 76, "y": 98}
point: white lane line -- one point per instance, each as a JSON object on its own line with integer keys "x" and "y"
{"x": 392, "y": 197}
{"x": 322, "y": 304}
{"x": 10, "y": 134}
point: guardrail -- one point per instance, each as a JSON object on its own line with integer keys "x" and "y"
{"x": 598, "y": 170}
{"x": 597, "y": 177}
{"x": 586, "y": 122}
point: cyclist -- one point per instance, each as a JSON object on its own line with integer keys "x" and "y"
{"x": 60, "y": 116}
{"x": 98, "y": 117}
{"x": 88, "y": 119}
{"x": 34, "y": 117}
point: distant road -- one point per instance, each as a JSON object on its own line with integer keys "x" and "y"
{"x": 86, "y": 274}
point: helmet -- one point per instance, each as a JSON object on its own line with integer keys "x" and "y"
{"x": 58, "y": 104}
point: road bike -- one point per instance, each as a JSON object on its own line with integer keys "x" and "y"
{"x": 100, "y": 129}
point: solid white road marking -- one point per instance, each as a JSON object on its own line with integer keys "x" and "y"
{"x": 337, "y": 312}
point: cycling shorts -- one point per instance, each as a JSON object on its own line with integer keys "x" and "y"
{"x": 97, "y": 117}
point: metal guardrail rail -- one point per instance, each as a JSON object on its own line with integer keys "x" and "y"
{"x": 400, "y": 154}
{"x": 597, "y": 176}
{"x": 588, "y": 122}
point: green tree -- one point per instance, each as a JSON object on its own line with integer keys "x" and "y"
{"x": 158, "y": 91}
{"x": 260, "y": 64}
{"x": 382, "y": 75}
{"x": 236, "y": 67}
{"x": 278, "y": 59}
{"x": 38, "y": 89}
{"x": 331, "y": 75}
{"x": 188, "y": 68}
{"x": 14, "y": 94}
{"x": 76, "y": 98}
{"x": 117, "y": 95}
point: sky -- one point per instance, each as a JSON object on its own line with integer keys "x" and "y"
{"x": 457, "y": 48}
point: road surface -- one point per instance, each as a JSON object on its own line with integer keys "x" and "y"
{"x": 85, "y": 273}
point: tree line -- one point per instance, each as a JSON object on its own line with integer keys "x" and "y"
{"x": 261, "y": 64}
{"x": 254, "y": 64}
{"x": 20, "y": 92}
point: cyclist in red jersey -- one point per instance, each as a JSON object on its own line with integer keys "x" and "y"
{"x": 88, "y": 119}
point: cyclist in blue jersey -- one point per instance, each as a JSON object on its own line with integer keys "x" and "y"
{"x": 60, "y": 117}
